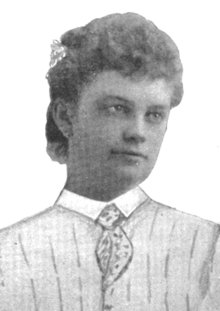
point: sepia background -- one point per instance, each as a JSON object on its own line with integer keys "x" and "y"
{"x": 187, "y": 174}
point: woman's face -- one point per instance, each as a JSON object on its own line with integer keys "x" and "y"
{"x": 119, "y": 131}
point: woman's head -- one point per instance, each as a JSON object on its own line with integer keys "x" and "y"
{"x": 126, "y": 43}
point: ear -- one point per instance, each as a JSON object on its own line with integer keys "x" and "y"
{"x": 62, "y": 117}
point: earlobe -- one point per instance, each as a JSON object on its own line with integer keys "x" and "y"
{"x": 62, "y": 118}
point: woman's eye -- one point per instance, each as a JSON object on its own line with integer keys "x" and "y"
{"x": 118, "y": 108}
{"x": 154, "y": 117}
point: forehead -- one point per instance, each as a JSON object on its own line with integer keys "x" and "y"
{"x": 112, "y": 83}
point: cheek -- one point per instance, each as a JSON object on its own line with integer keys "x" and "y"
{"x": 107, "y": 133}
{"x": 155, "y": 140}
{"x": 93, "y": 142}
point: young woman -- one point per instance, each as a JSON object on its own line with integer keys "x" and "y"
{"x": 105, "y": 245}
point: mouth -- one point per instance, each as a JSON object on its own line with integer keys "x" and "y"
{"x": 129, "y": 153}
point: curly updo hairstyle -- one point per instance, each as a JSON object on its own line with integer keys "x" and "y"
{"x": 126, "y": 43}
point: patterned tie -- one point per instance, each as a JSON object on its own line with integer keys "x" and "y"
{"x": 114, "y": 250}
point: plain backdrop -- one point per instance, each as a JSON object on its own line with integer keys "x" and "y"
{"x": 187, "y": 174}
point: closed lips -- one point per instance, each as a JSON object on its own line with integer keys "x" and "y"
{"x": 129, "y": 152}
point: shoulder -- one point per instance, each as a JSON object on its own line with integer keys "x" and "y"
{"x": 52, "y": 221}
{"x": 181, "y": 226}
{"x": 30, "y": 224}
{"x": 182, "y": 217}
{"x": 186, "y": 231}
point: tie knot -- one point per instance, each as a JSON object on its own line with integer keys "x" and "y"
{"x": 110, "y": 217}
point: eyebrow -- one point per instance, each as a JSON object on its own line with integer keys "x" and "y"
{"x": 158, "y": 107}
{"x": 106, "y": 97}
{"x": 126, "y": 100}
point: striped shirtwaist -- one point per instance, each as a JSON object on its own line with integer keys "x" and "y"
{"x": 48, "y": 263}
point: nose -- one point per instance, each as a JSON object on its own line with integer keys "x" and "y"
{"x": 135, "y": 132}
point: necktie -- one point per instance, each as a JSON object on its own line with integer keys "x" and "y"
{"x": 114, "y": 250}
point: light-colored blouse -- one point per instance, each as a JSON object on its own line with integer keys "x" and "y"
{"x": 48, "y": 262}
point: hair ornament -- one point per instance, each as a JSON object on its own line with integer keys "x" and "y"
{"x": 58, "y": 52}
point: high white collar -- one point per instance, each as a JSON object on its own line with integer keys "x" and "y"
{"x": 127, "y": 202}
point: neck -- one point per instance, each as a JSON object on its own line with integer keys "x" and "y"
{"x": 96, "y": 190}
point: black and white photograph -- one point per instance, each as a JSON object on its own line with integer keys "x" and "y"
{"x": 110, "y": 159}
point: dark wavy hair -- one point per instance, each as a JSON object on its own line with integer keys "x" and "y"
{"x": 126, "y": 43}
